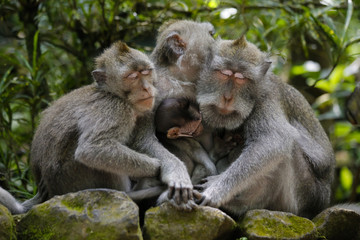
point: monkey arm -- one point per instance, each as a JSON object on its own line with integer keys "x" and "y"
{"x": 112, "y": 156}
{"x": 101, "y": 145}
{"x": 173, "y": 171}
{"x": 261, "y": 156}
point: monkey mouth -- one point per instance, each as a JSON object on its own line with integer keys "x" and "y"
{"x": 224, "y": 110}
{"x": 146, "y": 101}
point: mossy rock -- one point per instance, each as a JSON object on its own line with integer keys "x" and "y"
{"x": 7, "y": 225}
{"x": 265, "y": 224}
{"x": 167, "y": 223}
{"x": 338, "y": 223}
{"x": 89, "y": 214}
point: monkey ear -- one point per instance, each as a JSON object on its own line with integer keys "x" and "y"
{"x": 99, "y": 76}
{"x": 241, "y": 42}
{"x": 265, "y": 67}
{"x": 122, "y": 47}
{"x": 175, "y": 46}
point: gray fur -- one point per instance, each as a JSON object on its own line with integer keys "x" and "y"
{"x": 177, "y": 69}
{"x": 287, "y": 162}
{"x": 82, "y": 139}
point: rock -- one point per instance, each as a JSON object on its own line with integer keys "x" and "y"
{"x": 88, "y": 214}
{"x": 265, "y": 224}
{"x": 338, "y": 223}
{"x": 165, "y": 222}
{"x": 7, "y": 225}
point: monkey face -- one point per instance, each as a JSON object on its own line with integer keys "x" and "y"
{"x": 128, "y": 74}
{"x": 178, "y": 117}
{"x": 184, "y": 46}
{"x": 141, "y": 89}
{"x": 227, "y": 91}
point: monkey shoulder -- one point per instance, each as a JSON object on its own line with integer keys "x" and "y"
{"x": 89, "y": 108}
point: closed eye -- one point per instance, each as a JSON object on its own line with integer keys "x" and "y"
{"x": 239, "y": 78}
{"x": 226, "y": 72}
{"x": 133, "y": 75}
{"x": 146, "y": 72}
{"x": 239, "y": 75}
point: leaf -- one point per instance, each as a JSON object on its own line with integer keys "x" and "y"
{"x": 213, "y": 3}
{"x": 34, "y": 53}
{"x": 349, "y": 13}
{"x": 4, "y": 83}
{"x": 346, "y": 178}
{"x": 329, "y": 32}
{"x": 342, "y": 129}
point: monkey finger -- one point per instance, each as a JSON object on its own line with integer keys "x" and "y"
{"x": 171, "y": 190}
{"x": 177, "y": 194}
{"x": 191, "y": 194}
{"x": 198, "y": 196}
{"x": 204, "y": 180}
{"x": 205, "y": 202}
{"x": 184, "y": 195}
{"x": 191, "y": 205}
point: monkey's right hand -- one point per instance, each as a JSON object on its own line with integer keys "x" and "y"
{"x": 180, "y": 191}
{"x": 180, "y": 188}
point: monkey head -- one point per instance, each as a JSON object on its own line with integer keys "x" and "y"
{"x": 128, "y": 74}
{"x": 227, "y": 91}
{"x": 184, "y": 47}
{"x": 178, "y": 117}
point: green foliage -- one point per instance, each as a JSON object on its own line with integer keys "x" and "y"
{"x": 47, "y": 49}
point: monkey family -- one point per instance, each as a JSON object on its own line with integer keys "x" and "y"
{"x": 223, "y": 121}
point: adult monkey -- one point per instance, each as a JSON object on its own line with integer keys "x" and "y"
{"x": 182, "y": 50}
{"x": 82, "y": 139}
{"x": 287, "y": 162}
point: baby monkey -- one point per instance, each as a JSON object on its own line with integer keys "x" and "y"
{"x": 178, "y": 117}
{"x": 179, "y": 127}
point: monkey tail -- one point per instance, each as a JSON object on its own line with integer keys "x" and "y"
{"x": 10, "y": 202}
{"x": 16, "y": 207}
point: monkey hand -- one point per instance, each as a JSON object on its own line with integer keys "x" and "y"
{"x": 210, "y": 194}
{"x": 189, "y": 206}
{"x": 179, "y": 184}
{"x": 181, "y": 192}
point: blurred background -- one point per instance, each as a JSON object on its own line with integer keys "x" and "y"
{"x": 47, "y": 49}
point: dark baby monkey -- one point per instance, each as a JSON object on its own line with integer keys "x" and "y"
{"x": 179, "y": 127}
{"x": 82, "y": 139}
{"x": 178, "y": 117}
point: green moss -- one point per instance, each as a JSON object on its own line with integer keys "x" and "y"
{"x": 7, "y": 224}
{"x": 277, "y": 225}
{"x": 75, "y": 204}
{"x": 36, "y": 232}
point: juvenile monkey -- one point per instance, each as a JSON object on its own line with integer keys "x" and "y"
{"x": 183, "y": 48}
{"x": 287, "y": 162}
{"x": 178, "y": 123}
{"x": 179, "y": 127}
{"x": 82, "y": 139}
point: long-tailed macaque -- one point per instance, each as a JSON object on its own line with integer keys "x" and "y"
{"x": 287, "y": 161}
{"x": 182, "y": 50}
{"x": 179, "y": 127}
{"x": 82, "y": 139}
{"x": 178, "y": 123}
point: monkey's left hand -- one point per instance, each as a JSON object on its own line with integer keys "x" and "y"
{"x": 211, "y": 194}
